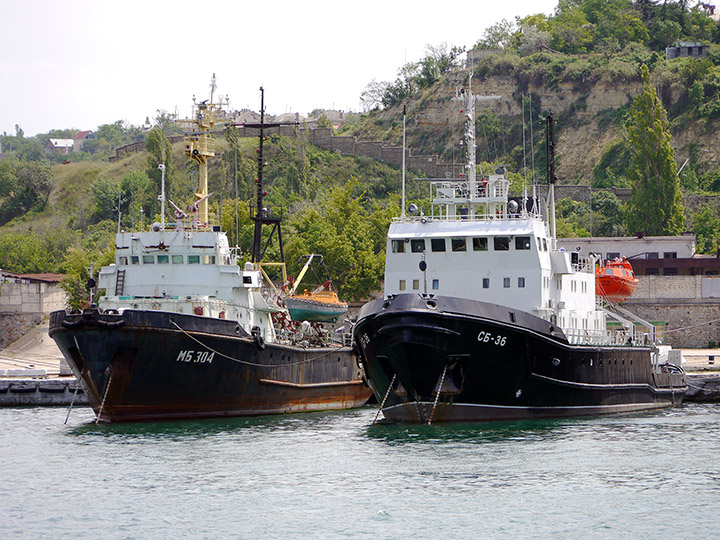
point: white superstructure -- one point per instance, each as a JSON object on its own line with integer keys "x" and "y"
{"x": 480, "y": 245}
{"x": 185, "y": 271}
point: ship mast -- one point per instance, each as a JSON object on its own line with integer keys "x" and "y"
{"x": 200, "y": 147}
{"x": 262, "y": 214}
{"x": 551, "y": 178}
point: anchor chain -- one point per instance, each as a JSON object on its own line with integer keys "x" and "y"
{"x": 72, "y": 402}
{"x": 102, "y": 405}
{"x": 383, "y": 401}
{"x": 437, "y": 394}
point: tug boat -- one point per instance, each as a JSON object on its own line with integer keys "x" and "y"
{"x": 615, "y": 280}
{"x": 485, "y": 318}
{"x": 186, "y": 330}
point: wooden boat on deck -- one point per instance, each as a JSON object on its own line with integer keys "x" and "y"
{"x": 615, "y": 280}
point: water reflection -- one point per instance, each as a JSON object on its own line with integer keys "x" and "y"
{"x": 212, "y": 427}
{"x": 478, "y": 432}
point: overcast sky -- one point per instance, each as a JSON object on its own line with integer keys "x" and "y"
{"x": 83, "y": 63}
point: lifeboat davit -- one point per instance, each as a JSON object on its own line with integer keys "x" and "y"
{"x": 615, "y": 280}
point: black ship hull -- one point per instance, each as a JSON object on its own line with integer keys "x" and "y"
{"x": 152, "y": 365}
{"x": 431, "y": 359}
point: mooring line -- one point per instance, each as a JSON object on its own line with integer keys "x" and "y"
{"x": 77, "y": 385}
{"x": 437, "y": 395}
{"x": 102, "y": 405}
{"x": 72, "y": 402}
{"x": 245, "y": 361}
{"x": 383, "y": 401}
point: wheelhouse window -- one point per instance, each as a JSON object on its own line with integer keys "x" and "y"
{"x": 134, "y": 259}
{"x": 616, "y": 255}
{"x": 177, "y": 259}
{"x": 522, "y": 242}
{"x": 163, "y": 259}
{"x": 652, "y": 255}
{"x": 148, "y": 259}
{"x": 193, "y": 259}
{"x": 670, "y": 255}
{"x": 437, "y": 244}
{"x": 486, "y": 283}
{"x": 122, "y": 261}
{"x": 398, "y": 246}
{"x": 417, "y": 245}
{"x": 480, "y": 244}
{"x": 502, "y": 243}
{"x": 458, "y": 244}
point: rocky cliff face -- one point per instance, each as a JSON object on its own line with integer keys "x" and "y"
{"x": 584, "y": 127}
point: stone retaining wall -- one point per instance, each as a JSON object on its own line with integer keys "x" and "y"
{"x": 13, "y": 326}
{"x": 687, "y": 324}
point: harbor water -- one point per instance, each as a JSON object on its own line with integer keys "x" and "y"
{"x": 335, "y": 475}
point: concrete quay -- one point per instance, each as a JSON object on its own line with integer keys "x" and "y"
{"x": 34, "y": 372}
{"x": 703, "y": 374}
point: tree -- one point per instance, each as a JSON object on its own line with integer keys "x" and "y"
{"x": 655, "y": 206}
{"x": 340, "y": 229}
{"x": 24, "y": 186}
{"x": 372, "y": 97}
{"x": 160, "y": 151}
{"x": 571, "y": 31}
{"x": 707, "y": 229}
{"x": 608, "y": 214}
{"x": 77, "y": 272}
{"x": 497, "y": 36}
{"x": 107, "y": 197}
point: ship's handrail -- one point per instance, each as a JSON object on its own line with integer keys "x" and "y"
{"x": 493, "y": 190}
{"x": 478, "y": 217}
{"x": 608, "y": 338}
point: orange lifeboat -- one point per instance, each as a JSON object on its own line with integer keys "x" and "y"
{"x": 615, "y": 280}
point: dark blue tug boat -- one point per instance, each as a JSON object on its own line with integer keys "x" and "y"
{"x": 484, "y": 318}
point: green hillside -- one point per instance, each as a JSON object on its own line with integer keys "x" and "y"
{"x": 583, "y": 63}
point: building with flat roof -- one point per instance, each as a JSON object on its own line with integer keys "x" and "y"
{"x": 649, "y": 255}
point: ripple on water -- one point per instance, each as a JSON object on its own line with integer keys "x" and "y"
{"x": 334, "y": 475}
